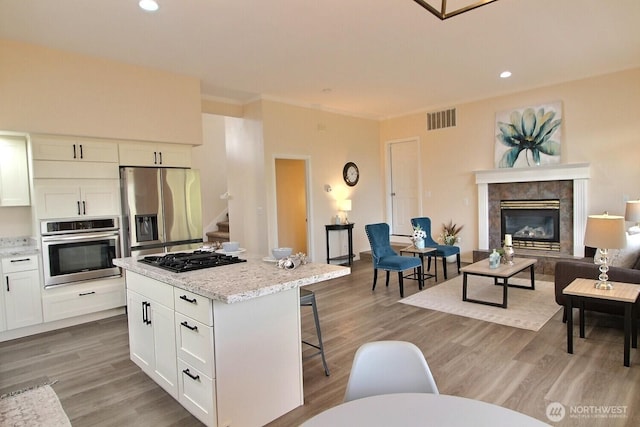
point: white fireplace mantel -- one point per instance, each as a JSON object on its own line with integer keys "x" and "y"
{"x": 578, "y": 172}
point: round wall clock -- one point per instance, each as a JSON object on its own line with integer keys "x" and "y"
{"x": 351, "y": 174}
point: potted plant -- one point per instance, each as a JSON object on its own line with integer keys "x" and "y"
{"x": 449, "y": 236}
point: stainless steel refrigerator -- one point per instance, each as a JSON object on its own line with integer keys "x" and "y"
{"x": 162, "y": 210}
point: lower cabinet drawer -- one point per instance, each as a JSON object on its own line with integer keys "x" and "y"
{"x": 196, "y": 392}
{"x": 84, "y": 298}
{"x": 194, "y": 343}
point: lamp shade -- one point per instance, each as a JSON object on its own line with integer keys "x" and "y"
{"x": 605, "y": 231}
{"x": 632, "y": 212}
{"x": 345, "y": 205}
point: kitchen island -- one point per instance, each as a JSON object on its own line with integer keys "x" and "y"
{"x": 224, "y": 341}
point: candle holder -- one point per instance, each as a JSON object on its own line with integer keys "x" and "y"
{"x": 508, "y": 254}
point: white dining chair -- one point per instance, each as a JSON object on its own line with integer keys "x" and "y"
{"x": 386, "y": 367}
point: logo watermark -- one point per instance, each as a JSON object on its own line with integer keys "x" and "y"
{"x": 556, "y": 411}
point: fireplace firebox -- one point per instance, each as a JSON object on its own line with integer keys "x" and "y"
{"x": 533, "y": 224}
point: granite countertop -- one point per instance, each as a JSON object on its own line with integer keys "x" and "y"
{"x": 16, "y": 246}
{"x": 238, "y": 282}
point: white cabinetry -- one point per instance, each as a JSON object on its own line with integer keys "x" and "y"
{"x": 62, "y": 198}
{"x": 14, "y": 172}
{"x": 92, "y": 296}
{"x": 226, "y": 354}
{"x": 155, "y": 154}
{"x": 75, "y": 177}
{"x": 21, "y": 289}
{"x": 52, "y": 147}
{"x": 195, "y": 351}
{"x": 152, "y": 340}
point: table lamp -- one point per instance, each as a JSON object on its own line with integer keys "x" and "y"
{"x": 605, "y": 232}
{"x": 632, "y": 214}
{"x": 345, "y": 206}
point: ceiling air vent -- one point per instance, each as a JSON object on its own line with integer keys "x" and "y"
{"x": 441, "y": 119}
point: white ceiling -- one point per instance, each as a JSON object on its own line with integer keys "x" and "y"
{"x": 379, "y": 58}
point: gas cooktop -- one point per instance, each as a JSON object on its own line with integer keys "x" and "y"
{"x": 181, "y": 262}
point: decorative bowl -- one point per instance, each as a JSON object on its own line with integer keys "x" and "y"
{"x": 230, "y": 246}
{"x": 279, "y": 253}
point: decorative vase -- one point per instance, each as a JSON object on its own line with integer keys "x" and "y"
{"x": 451, "y": 258}
{"x": 494, "y": 259}
{"x": 418, "y": 243}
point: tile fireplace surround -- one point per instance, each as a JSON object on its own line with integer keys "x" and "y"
{"x": 579, "y": 173}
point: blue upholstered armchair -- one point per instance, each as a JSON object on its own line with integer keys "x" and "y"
{"x": 442, "y": 251}
{"x": 385, "y": 258}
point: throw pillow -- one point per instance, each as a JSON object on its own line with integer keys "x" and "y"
{"x": 626, "y": 257}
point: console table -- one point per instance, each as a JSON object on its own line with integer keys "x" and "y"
{"x": 340, "y": 227}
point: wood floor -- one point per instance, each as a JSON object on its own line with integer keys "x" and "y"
{"x": 523, "y": 370}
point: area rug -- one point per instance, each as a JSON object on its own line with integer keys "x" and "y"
{"x": 526, "y": 309}
{"x": 33, "y": 407}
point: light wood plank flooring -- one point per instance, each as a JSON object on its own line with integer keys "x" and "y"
{"x": 523, "y": 370}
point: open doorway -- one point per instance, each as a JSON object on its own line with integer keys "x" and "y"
{"x": 291, "y": 203}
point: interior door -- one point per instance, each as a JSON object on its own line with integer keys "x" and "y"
{"x": 405, "y": 185}
{"x": 291, "y": 202}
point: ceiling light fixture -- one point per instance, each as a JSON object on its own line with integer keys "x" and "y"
{"x": 442, "y": 12}
{"x": 505, "y": 74}
{"x": 148, "y": 5}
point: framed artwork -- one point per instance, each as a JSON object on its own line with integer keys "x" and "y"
{"x": 528, "y": 136}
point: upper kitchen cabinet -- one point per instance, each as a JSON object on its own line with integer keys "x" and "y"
{"x": 155, "y": 154}
{"x": 75, "y": 188}
{"x": 65, "y": 198}
{"x": 51, "y": 147}
{"x": 14, "y": 172}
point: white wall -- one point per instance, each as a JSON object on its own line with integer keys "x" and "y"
{"x": 211, "y": 159}
{"x": 329, "y": 140}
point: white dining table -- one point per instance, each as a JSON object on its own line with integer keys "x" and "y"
{"x": 420, "y": 409}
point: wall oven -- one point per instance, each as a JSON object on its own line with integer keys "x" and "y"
{"x": 78, "y": 250}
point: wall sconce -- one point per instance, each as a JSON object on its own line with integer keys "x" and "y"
{"x": 345, "y": 206}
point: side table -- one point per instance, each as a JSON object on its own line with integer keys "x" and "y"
{"x": 421, "y": 253}
{"x": 625, "y": 294}
{"x": 339, "y": 227}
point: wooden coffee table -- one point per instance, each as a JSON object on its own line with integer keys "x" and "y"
{"x": 625, "y": 294}
{"x": 504, "y": 272}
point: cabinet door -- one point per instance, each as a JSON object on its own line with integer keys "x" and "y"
{"x": 3, "y": 312}
{"x": 22, "y": 299}
{"x": 174, "y": 155}
{"x": 140, "y": 332}
{"x": 53, "y": 148}
{"x": 142, "y": 154}
{"x": 97, "y": 151}
{"x": 57, "y": 200}
{"x": 164, "y": 337}
{"x": 152, "y": 340}
{"x": 100, "y": 198}
{"x": 14, "y": 172}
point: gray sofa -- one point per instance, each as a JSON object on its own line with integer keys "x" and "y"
{"x": 567, "y": 271}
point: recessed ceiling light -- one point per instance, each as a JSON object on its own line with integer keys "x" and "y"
{"x": 505, "y": 74}
{"x": 148, "y": 5}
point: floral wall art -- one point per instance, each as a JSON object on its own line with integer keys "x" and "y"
{"x": 529, "y": 136}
